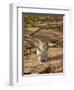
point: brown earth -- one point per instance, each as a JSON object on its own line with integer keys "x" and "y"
{"x": 54, "y": 35}
{"x": 53, "y": 65}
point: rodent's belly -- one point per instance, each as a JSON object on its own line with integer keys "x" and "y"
{"x": 41, "y": 53}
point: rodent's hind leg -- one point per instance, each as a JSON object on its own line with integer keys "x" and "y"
{"x": 39, "y": 59}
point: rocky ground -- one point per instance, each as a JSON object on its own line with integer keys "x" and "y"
{"x": 53, "y": 34}
{"x": 53, "y": 65}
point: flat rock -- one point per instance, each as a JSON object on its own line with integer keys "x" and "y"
{"x": 41, "y": 68}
